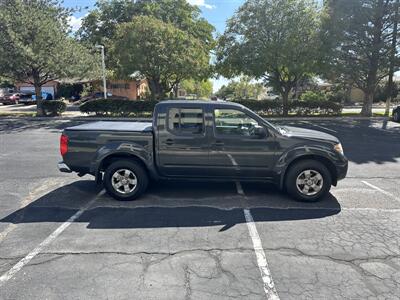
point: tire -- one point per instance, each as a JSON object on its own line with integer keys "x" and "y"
{"x": 396, "y": 116}
{"x": 310, "y": 172}
{"x": 115, "y": 175}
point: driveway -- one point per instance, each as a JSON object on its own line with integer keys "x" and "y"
{"x": 62, "y": 237}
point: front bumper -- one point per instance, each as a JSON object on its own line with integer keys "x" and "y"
{"x": 63, "y": 167}
{"x": 341, "y": 170}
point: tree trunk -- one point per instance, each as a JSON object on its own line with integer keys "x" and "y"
{"x": 374, "y": 60}
{"x": 366, "y": 110}
{"x": 285, "y": 102}
{"x": 38, "y": 93}
{"x": 39, "y": 101}
{"x": 156, "y": 89}
{"x": 176, "y": 89}
{"x": 392, "y": 59}
{"x": 347, "y": 94}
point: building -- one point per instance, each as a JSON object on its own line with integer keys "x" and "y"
{"x": 131, "y": 89}
{"x": 50, "y": 87}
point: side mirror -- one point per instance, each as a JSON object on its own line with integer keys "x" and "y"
{"x": 260, "y": 132}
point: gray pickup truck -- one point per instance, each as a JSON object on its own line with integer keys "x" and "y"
{"x": 203, "y": 140}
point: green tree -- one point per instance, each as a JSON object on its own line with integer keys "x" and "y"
{"x": 202, "y": 89}
{"x": 241, "y": 89}
{"x": 356, "y": 43}
{"x": 5, "y": 83}
{"x": 272, "y": 39}
{"x": 100, "y": 25}
{"x": 162, "y": 53}
{"x": 36, "y": 47}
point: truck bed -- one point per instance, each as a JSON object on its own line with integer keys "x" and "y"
{"x": 89, "y": 142}
{"x": 114, "y": 126}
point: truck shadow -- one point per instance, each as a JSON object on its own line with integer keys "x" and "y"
{"x": 174, "y": 210}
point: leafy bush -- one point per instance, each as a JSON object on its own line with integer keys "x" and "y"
{"x": 311, "y": 107}
{"x": 297, "y": 107}
{"x": 126, "y": 108}
{"x": 118, "y": 107}
{"x": 337, "y": 96}
{"x": 263, "y": 107}
{"x": 313, "y": 96}
{"x": 53, "y": 107}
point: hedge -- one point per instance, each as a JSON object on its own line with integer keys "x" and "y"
{"x": 53, "y": 107}
{"x": 126, "y": 108}
{"x": 118, "y": 107}
{"x": 296, "y": 107}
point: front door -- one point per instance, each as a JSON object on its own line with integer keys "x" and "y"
{"x": 236, "y": 150}
{"x": 183, "y": 146}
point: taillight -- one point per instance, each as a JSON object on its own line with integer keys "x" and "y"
{"x": 63, "y": 144}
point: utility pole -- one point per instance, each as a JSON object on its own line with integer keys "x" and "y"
{"x": 103, "y": 66}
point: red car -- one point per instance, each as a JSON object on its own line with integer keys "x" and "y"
{"x": 10, "y": 98}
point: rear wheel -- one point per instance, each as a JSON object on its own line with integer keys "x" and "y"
{"x": 125, "y": 180}
{"x": 308, "y": 180}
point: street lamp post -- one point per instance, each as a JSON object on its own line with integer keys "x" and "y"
{"x": 103, "y": 66}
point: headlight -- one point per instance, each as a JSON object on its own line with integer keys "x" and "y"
{"x": 339, "y": 148}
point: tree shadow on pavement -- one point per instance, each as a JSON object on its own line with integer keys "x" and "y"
{"x": 152, "y": 211}
{"x": 16, "y": 125}
{"x": 369, "y": 141}
{"x": 364, "y": 141}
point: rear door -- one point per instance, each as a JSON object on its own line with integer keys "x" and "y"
{"x": 183, "y": 146}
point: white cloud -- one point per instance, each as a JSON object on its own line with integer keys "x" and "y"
{"x": 201, "y": 3}
{"x": 75, "y": 22}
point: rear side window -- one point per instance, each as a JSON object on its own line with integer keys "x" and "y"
{"x": 186, "y": 120}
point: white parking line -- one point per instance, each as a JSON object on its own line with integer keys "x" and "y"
{"x": 19, "y": 265}
{"x": 319, "y": 126}
{"x": 381, "y": 190}
{"x": 269, "y": 286}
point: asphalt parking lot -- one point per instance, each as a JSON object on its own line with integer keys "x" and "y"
{"x": 61, "y": 237}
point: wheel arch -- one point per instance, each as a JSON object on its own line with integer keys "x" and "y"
{"x": 325, "y": 161}
{"x": 113, "y": 157}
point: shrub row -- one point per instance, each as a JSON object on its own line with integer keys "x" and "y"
{"x": 297, "y": 107}
{"x": 118, "y": 107}
{"x": 53, "y": 107}
{"x": 126, "y": 108}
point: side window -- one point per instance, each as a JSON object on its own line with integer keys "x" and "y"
{"x": 233, "y": 122}
{"x": 186, "y": 120}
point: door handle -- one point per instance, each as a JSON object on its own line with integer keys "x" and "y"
{"x": 169, "y": 142}
{"x": 218, "y": 144}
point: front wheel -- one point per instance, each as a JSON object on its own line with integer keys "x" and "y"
{"x": 125, "y": 180}
{"x": 308, "y": 180}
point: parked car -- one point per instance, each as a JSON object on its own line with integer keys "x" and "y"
{"x": 30, "y": 98}
{"x": 11, "y": 98}
{"x": 203, "y": 140}
{"x": 26, "y": 99}
{"x": 396, "y": 114}
{"x": 45, "y": 96}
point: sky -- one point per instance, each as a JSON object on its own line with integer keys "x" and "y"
{"x": 215, "y": 11}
